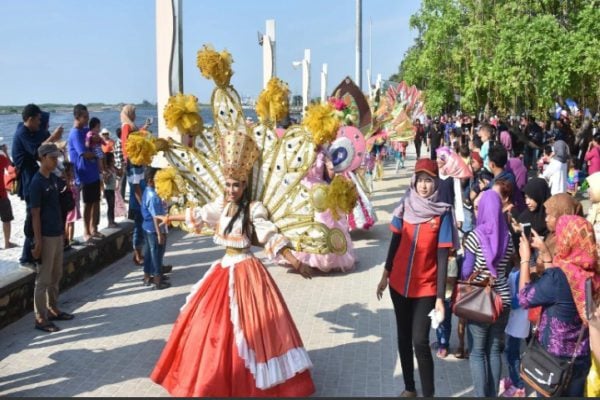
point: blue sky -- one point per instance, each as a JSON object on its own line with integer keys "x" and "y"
{"x": 69, "y": 51}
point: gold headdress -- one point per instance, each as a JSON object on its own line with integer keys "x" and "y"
{"x": 238, "y": 154}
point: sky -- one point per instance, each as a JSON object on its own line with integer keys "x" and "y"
{"x": 74, "y": 51}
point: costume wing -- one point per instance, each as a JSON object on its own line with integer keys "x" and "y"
{"x": 199, "y": 166}
{"x": 276, "y": 182}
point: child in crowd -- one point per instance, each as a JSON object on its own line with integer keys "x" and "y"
{"x": 399, "y": 155}
{"x": 516, "y": 330}
{"x": 444, "y": 330}
{"x": 544, "y": 159}
{"x": 369, "y": 164}
{"x": 155, "y": 234}
{"x": 94, "y": 142}
{"x": 572, "y": 178}
{"x": 110, "y": 184}
{"x": 75, "y": 213}
{"x": 6, "y": 214}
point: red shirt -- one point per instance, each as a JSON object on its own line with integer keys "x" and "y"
{"x": 414, "y": 271}
{"x": 4, "y": 164}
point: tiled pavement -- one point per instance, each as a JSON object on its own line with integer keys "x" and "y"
{"x": 120, "y": 328}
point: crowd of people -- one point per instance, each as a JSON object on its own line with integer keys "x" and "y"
{"x": 511, "y": 218}
{"x": 494, "y": 203}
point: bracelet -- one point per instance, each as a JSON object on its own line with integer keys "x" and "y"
{"x": 524, "y": 261}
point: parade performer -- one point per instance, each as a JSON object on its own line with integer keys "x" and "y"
{"x": 235, "y": 336}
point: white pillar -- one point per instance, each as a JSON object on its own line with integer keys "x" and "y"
{"x": 324, "y": 84}
{"x": 268, "y": 46}
{"x": 358, "y": 70}
{"x": 169, "y": 59}
{"x": 305, "y": 80}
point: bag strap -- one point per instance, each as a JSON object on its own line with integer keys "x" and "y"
{"x": 578, "y": 342}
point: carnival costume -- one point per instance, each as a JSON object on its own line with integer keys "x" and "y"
{"x": 235, "y": 336}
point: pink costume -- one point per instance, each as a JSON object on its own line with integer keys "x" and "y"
{"x": 330, "y": 261}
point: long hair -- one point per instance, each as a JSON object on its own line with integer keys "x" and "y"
{"x": 244, "y": 211}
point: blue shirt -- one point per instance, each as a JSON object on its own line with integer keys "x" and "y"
{"x": 43, "y": 194}
{"x": 86, "y": 171}
{"x": 151, "y": 206}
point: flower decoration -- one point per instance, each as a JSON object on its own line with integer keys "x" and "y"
{"x": 215, "y": 66}
{"x": 322, "y": 123}
{"x": 182, "y": 112}
{"x": 342, "y": 195}
{"x": 140, "y": 149}
{"x": 273, "y": 103}
{"x": 168, "y": 183}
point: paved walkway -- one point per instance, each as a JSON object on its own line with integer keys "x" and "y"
{"x": 120, "y": 328}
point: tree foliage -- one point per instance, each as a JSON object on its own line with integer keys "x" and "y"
{"x": 509, "y": 56}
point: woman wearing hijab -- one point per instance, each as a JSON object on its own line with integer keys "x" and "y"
{"x": 556, "y": 171}
{"x": 560, "y": 292}
{"x": 135, "y": 178}
{"x": 536, "y": 194}
{"x": 416, "y": 265}
{"x": 488, "y": 250}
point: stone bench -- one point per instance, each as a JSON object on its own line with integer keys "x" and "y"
{"x": 79, "y": 263}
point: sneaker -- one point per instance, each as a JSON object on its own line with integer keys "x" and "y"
{"x": 29, "y": 265}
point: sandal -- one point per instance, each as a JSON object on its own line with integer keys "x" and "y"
{"x": 61, "y": 316}
{"x": 442, "y": 352}
{"x": 98, "y": 235}
{"x": 47, "y": 327}
{"x": 165, "y": 269}
{"x": 460, "y": 353}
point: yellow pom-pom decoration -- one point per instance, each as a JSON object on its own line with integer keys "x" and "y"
{"x": 215, "y": 66}
{"x": 322, "y": 123}
{"x": 181, "y": 112}
{"x": 140, "y": 149}
{"x": 342, "y": 195}
{"x": 273, "y": 103}
{"x": 168, "y": 183}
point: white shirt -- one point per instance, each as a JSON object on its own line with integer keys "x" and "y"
{"x": 556, "y": 175}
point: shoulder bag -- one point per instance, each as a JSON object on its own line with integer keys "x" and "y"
{"x": 546, "y": 373}
{"x": 476, "y": 301}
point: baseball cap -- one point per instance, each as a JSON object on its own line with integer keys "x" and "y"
{"x": 105, "y": 131}
{"x": 48, "y": 149}
{"x": 477, "y": 157}
{"x": 426, "y": 165}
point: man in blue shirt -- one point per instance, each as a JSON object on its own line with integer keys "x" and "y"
{"x": 86, "y": 172}
{"x": 48, "y": 230}
{"x": 30, "y": 134}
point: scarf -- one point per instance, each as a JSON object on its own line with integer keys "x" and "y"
{"x": 561, "y": 151}
{"x": 538, "y": 190}
{"x": 127, "y": 118}
{"x": 506, "y": 141}
{"x": 577, "y": 257}
{"x": 492, "y": 230}
{"x": 453, "y": 164}
{"x": 416, "y": 209}
{"x": 516, "y": 167}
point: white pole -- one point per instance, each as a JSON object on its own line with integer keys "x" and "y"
{"x": 370, "y": 71}
{"x": 169, "y": 65}
{"x": 305, "y": 80}
{"x": 358, "y": 71}
{"x": 324, "y": 84}
{"x": 269, "y": 52}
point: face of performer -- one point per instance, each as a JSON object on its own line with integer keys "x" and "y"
{"x": 425, "y": 185}
{"x": 234, "y": 190}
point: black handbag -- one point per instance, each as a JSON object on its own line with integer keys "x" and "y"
{"x": 547, "y": 374}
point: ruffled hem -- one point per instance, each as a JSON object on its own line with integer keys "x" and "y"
{"x": 277, "y": 369}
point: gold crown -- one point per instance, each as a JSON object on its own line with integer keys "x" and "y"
{"x": 238, "y": 154}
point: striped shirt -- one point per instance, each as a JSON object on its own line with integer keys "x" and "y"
{"x": 500, "y": 285}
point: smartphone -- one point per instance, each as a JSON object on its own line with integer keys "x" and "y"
{"x": 527, "y": 230}
{"x": 149, "y": 121}
{"x": 589, "y": 299}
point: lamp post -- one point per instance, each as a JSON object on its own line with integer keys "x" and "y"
{"x": 324, "y": 84}
{"x": 267, "y": 41}
{"x": 305, "y": 64}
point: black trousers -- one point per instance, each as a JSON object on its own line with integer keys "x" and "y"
{"x": 109, "y": 195}
{"x": 413, "y": 326}
{"x": 418, "y": 148}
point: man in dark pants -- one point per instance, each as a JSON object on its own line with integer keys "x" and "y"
{"x": 419, "y": 136}
{"x": 30, "y": 134}
{"x": 436, "y": 138}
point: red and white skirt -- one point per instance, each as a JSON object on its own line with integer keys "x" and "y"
{"x": 235, "y": 337}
